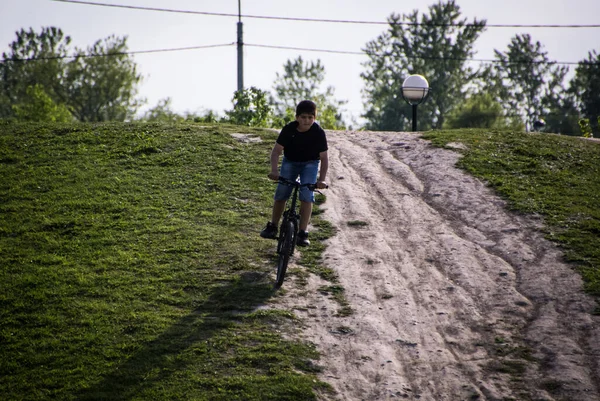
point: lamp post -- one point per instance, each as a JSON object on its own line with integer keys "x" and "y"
{"x": 415, "y": 89}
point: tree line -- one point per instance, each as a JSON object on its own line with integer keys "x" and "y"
{"x": 522, "y": 86}
{"x": 42, "y": 80}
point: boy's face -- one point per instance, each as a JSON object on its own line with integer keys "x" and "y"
{"x": 305, "y": 121}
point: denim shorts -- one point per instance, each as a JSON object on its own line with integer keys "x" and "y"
{"x": 307, "y": 171}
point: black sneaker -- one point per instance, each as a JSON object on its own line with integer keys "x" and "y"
{"x": 302, "y": 239}
{"x": 270, "y": 231}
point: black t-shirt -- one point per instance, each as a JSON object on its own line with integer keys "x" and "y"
{"x": 302, "y": 146}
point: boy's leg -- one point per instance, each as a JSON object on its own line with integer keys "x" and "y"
{"x": 282, "y": 193}
{"x": 305, "y": 212}
{"x": 278, "y": 208}
{"x": 308, "y": 175}
{"x": 270, "y": 231}
{"x": 288, "y": 171}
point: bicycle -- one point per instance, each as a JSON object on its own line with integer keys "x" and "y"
{"x": 288, "y": 230}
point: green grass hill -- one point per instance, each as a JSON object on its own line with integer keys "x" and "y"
{"x": 131, "y": 268}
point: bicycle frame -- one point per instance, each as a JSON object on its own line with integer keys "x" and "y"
{"x": 286, "y": 243}
{"x": 291, "y": 213}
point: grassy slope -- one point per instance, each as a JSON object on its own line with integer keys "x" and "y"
{"x": 131, "y": 267}
{"x": 557, "y": 177}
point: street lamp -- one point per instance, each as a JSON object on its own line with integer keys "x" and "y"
{"x": 415, "y": 89}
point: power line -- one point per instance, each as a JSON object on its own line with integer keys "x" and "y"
{"x": 324, "y": 20}
{"x": 305, "y": 49}
{"x": 112, "y": 54}
{"x": 416, "y": 57}
{"x": 361, "y": 53}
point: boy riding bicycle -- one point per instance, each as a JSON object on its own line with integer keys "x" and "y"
{"x": 304, "y": 146}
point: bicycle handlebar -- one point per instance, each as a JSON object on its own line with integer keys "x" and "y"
{"x": 312, "y": 187}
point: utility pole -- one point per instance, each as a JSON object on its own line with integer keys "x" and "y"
{"x": 240, "y": 48}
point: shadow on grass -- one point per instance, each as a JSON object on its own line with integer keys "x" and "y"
{"x": 158, "y": 360}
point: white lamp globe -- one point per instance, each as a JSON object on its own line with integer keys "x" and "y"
{"x": 415, "y": 88}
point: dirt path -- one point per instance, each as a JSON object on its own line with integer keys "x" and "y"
{"x": 454, "y": 298}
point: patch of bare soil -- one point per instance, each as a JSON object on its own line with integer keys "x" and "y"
{"x": 454, "y": 297}
{"x": 246, "y": 138}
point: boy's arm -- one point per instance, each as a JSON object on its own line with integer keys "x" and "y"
{"x": 275, "y": 154}
{"x": 323, "y": 171}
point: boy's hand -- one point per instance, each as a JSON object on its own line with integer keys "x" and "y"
{"x": 322, "y": 185}
{"x": 273, "y": 176}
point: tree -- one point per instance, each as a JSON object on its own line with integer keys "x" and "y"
{"x": 436, "y": 46}
{"x": 102, "y": 82}
{"x": 208, "y": 116}
{"x": 302, "y": 81}
{"x": 97, "y": 85}
{"x": 328, "y": 114}
{"x": 250, "y": 107}
{"x": 38, "y": 106}
{"x": 34, "y": 59}
{"x": 479, "y": 111}
{"x": 562, "y": 116}
{"x": 162, "y": 112}
{"x": 526, "y": 81}
{"x": 585, "y": 86}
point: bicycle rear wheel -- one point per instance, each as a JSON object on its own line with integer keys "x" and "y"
{"x": 284, "y": 248}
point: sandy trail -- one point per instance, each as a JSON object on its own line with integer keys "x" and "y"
{"x": 453, "y": 296}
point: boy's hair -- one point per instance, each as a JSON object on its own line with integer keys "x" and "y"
{"x": 306, "y": 107}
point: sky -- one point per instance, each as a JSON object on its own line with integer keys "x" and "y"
{"x": 205, "y": 79}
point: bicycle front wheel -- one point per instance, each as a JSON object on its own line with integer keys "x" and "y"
{"x": 285, "y": 246}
